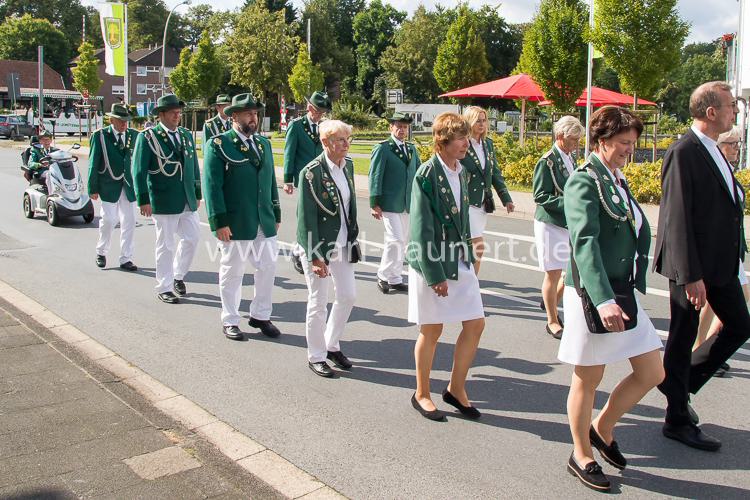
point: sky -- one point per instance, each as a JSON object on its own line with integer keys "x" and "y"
{"x": 709, "y": 19}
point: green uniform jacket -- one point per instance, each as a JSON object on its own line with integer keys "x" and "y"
{"x": 36, "y": 155}
{"x": 604, "y": 245}
{"x": 164, "y": 178}
{"x": 239, "y": 187}
{"x": 550, "y": 176}
{"x": 319, "y": 209}
{"x": 212, "y": 128}
{"x": 437, "y": 226}
{"x": 301, "y": 147}
{"x": 391, "y": 176}
{"x": 479, "y": 180}
{"x": 108, "y": 180}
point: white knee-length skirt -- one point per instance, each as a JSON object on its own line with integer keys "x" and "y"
{"x": 477, "y": 221}
{"x": 552, "y": 246}
{"x": 580, "y": 347}
{"x": 463, "y": 303}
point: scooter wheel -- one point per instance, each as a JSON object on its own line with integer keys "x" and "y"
{"x": 88, "y": 218}
{"x": 28, "y": 211}
{"x": 52, "y": 216}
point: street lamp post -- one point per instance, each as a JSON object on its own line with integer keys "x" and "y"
{"x": 164, "y": 44}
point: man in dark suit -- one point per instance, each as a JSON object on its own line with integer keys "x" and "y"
{"x": 698, "y": 249}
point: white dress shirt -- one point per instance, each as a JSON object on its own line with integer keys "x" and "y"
{"x": 721, "y": 163}
{"x": 567, "y": 160}
{"x": 118, "y": 135}
{"x": 339, "y": 179}
{"x": 454, "y": 180}
{"x": 479, "y": 149}
{"x": 248, "y": 140}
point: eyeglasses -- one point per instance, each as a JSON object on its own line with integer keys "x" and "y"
{"x": 732, "y": 144}
{"x": 342, "y": 140}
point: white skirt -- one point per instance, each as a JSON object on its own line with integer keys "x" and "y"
{"x": 580, "y": 347}
{"x": 552, "y": 246}
{"x": 742, "y": 275}
{"x": 477, "y": 221}
{"x": 463, "y": 303}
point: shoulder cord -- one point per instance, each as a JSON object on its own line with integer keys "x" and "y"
{"x": 107, "y": 166}
{"x": 595, "y": 177}
{"x": 315, "y": 196}
{"x": 559, "y": 189}
{"x": 228, "y": 161}
{"x": 161, "y": 158}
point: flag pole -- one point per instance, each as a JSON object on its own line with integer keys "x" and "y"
{"x": 589, "y": 73}
{"x": 125, "y": 45}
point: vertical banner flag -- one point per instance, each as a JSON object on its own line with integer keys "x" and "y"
{"x": 113, "y": 30}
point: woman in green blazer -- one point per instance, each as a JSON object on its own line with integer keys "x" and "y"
{"x": 482, "y": 174}
{"x": 443, "y": 288}
{"x": 610, "y": 239}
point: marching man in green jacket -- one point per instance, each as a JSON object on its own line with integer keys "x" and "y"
{"x": 392, "y": 167}
{"x": 301, "y": 147}
{"x": 242, "y": 202}
{"x": 167, "y": 185}
{"x": 219, "y": 123}
{"x": 111, "y": 180}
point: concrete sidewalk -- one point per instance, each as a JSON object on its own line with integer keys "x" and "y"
{"x": 69, "y": 429}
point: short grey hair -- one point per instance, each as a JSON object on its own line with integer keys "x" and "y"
{"x": 568, "y": 126}
{"x": 731, "y": 135}
{"x": 707, "y": 96}
{"x": 328, "y": 128}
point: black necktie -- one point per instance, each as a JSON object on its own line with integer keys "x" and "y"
{"x": 175, "y": 140}
{"x": 119, "y": 140}
{"x": 314, "y": 127}
{"x": 403, "y": 149}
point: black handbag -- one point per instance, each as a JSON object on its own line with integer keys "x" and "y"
{"x": 624, "y": 297}
{"x": 489, "y": 201}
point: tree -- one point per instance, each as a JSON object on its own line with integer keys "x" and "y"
{"x": 555, "y": 51}
{"x": 207, "y": 69}
{"x": 409, "y": 61}
{"x": 334, "y": 58}
{"x": 20, "y": 36}
{"x": 290, "y": 13}
{"x": 373, "y": 33}
{"x": 461, "y": 58}
{"x": 648, "y": 49}
{"x": 306, "y": 77}
{"x": 503, "y": 42}
{"x": 65, "y": 15}
{"x": 181, "y": 78}
{"x": 86, "y": 71}
{"x": 195, "y": 21}
{"x": 146, "y": 20}
{"x": 261, "y": 51}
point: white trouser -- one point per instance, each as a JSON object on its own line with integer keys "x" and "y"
{"x": 262, "y": 253}
{"x": 123, "y": 211}
{"x": 324, "y": 336}
{"x": 172, "y": 266}
{"x": 395, "y": 240}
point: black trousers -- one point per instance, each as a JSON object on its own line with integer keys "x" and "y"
{"x": 728, "y": 302}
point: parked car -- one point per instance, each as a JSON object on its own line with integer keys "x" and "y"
{"x": 15, "y": 127}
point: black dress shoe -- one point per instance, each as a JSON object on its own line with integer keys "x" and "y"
{"x": 266, "y": 327}
{"x": 179, "y": 288}
{"x": 466, "y": 411}
{"x": 555, "y": 335}
{"x": 232, "y": 332}
{"x": 321, "y": 368}
{"x": 591, "y": 475}
{"x": 400, "y": 287}
{"x": 691, "y": 435}
{"x": 725, "y": 367}
{"x": 434, "y": 415}
{"x": 339, "y": 360}
{"x": 383, "y": 286}
{"x": 101, "y": 261}
{"x": 128, "y": 266}
{"x": 693, "y": 415}
{"x": 542, "y": 306}
{"x": 297, "y": 264}
{"x": 610, "y": 453}
{"x": 168, "y": 297}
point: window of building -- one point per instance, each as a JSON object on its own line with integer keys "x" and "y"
{"x": 141, "y": 70}
{"x": 141, "y": 89}
{"x": 118, "y": 89}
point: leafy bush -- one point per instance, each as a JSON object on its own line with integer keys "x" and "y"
{"x": 644, "y": 180}
{"x": 354, "y": 112}
{"x": 424, "y": 147}
{"x": 383, "y": 125}
{"x": 743, "y": 177}
{"x": 521, "y": 171}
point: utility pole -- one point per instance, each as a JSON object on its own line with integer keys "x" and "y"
{"x": 40, "y": 101}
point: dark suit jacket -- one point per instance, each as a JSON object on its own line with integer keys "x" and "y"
{"x": 699, "y": 220}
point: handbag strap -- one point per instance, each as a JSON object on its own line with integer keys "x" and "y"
{"x": 344, "y": 210}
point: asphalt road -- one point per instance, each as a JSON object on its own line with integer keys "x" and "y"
{"x": 358, "y": 433}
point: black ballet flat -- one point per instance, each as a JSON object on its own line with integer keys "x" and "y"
{"x": 434, "y": 415}
{"x": 467, "y": 411}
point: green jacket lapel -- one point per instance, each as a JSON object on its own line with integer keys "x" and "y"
{"x": 166, "y": 142}
{"x": 446, "y": 194}
{"x": 610, "y": 194}
{"x": 398, "y": 151}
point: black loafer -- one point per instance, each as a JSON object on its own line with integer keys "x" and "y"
{"x": 591, "y": 475}
{"x": 542, "y": 306}
{"x": 179, "y": 288}
{"x": 400, "y": 287}
{"x": 555, "y": 335}
{"x": 693, "y": 416}
{"x": 434, "y": 415}
{"x": 266, "y": 327}
{"x": 128, "y": 266}
{"x": 297, "y": 264}
{"x": 232, "y": 332}
{"x": 101, "y": 261}
{"x": 383, "y": 286}
{"x": 691, "y": 435}
{"x": 725, "y": 367}
{"x": 339, "y": 360}
{"x": 610, "y": 453}
{"x": 168, "y": 297}
{"x": 321, "y": 368}
{"x": 467, "y": 411}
